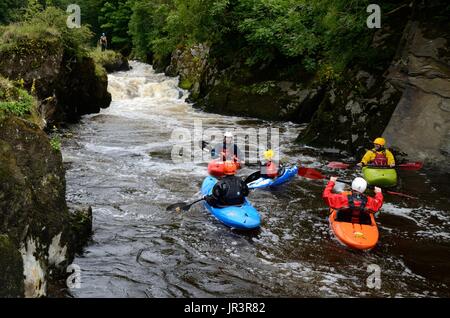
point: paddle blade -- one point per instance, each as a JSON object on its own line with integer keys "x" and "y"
{"x": 411, "y": 165}
{"x": 338, "y": 165}
{"x": 177, "y": 206}
{"x": 254, "y": 176}
{"x": 310, "y": 173}
{"x": 204, "y": 144}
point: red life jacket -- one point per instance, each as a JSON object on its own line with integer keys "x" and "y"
{"x": 380, "y": 158}
{"x": 271, "y": 170}
{"x": 356, "y": 211}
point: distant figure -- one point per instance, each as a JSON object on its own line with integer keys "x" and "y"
{"x": 103, "y": 42}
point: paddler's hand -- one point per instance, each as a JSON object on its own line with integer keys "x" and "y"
{"x": 360, "y": 164}
{"x": 333, "y": 179}
{"x": 238, "y": 162}
{"x": 392, "y": 165}
{"x": 377, "y": 190}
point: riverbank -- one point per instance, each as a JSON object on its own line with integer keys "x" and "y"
{"x": 48, "y": 78}
{"x": 400, "y": 87}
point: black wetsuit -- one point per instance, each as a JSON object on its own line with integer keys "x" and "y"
{"x": 230, "y": 190}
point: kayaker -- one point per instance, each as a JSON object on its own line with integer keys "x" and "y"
{"x": 379, "y": 155}
{"x": 227, "y": 150}
{"x": 230, "y": 190}
{"x": 269, "y": 169}
{"x": 355, "y": 205}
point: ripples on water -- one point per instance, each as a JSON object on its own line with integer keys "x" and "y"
{"x": 119, "y": 162}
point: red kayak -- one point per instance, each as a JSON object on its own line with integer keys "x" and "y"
{"x": 216, "y": 167}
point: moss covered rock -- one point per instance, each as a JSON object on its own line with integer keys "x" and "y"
{"x": 11, "y": 266}
{"x": 33, "y": 211}
{"x": 67, "y": 83}
{"x": 189, "y": 63}
{"x": 81, "y": 90}
{"x": 111, "y": 61}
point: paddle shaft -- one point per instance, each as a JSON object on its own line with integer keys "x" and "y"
{"x": 387, "y": 191}
{"x": 403, "y": 166}
{"x": 191, "y": 204}
{"x": 317, "y": 175}
{"x": 252, "y": 177}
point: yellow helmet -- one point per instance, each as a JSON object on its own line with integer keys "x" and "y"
{"x": 380, "y": 141}
{"x": 268, "y": 154}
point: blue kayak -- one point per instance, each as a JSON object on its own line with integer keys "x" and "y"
{"x": 288, "y": 174}
{"x": 244, "y": 217}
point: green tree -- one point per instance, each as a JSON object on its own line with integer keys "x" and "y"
{"x": 7, "y": 9}
{"x": 114, "y": 18}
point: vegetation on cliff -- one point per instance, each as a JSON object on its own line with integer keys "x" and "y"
{"x": 55, "y": 61}
{"x": 13, "y": 100}
{"x": 324, "y": 35}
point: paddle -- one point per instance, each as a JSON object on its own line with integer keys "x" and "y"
{"x": 404, "y": 166}
{"x": 182, "y": 205}
{"x": 252, "y": 177}
{"x": 317, "y": 175}
{"x": 204, "y": 144}
{"x": 186, "y": 206}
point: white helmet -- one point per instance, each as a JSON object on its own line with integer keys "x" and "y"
{"x": 359, "y": 185}
{"x": 228, "y": 134}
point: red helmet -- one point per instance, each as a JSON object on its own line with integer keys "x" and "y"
{"x": 229, "y": 168}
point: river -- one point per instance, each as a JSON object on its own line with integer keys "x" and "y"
{"x": 119, "y": 162}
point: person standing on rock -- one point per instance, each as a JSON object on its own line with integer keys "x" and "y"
{"x": 379, "y": 155}
{"x": 103, "y": 42}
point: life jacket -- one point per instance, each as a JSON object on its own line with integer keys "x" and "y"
{"x": 380, "y": 158}
{"x": 356, "y": 211}
{"x": 353, "y": 213}
{"x": 230, "y": 191}
{"x": 227, "y": 153}
{"x": 270, "y": 170}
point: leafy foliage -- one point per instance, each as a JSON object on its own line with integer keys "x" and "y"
{"x": 324, "y": 35}
{"x": 55, "y": 142}
{"x": 319, "y": 32}
{"x": 114, "y": 18}
{"x": 8, "y": 8}
{"x": 45, "y": 30}
{"x": 14, "y": 100}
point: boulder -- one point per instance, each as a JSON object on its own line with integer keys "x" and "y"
{"x": 420, "y": 124}
{"x": 39, "y": 236}
{"x": 76, "y": 85}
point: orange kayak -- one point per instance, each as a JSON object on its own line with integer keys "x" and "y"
{"x": 216, "y": 167}
{"x": 355, "y": 235}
